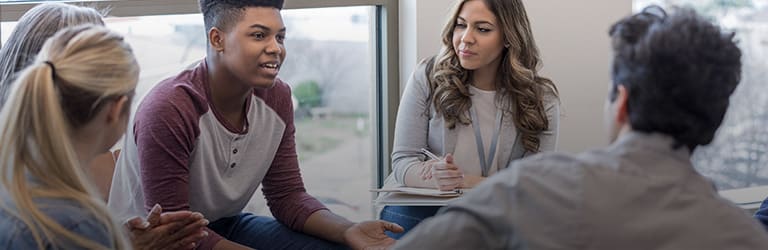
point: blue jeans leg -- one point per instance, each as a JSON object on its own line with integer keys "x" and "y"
{"x": 262, "y": 232}
{"x": 406, "y": 216}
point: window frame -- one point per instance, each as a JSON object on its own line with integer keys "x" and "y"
{"x": 384, "y": 34}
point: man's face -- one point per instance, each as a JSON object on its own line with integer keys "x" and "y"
{"x": 254, "y": 48}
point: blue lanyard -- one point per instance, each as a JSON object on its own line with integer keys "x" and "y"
{"x": 485, "y": 165}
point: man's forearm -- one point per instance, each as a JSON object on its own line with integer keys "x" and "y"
{"x": 327, "y": 225}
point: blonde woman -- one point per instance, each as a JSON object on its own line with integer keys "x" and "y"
{"x": 480, "y": 104}
{"x": 34, "y": 27}
{"x": 66, "y": 107}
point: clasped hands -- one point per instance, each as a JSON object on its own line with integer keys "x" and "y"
{"x": 444, "y": 174}
{"x": 169, "y": 230}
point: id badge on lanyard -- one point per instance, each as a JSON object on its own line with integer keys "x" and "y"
{"x": 485, "y": 165}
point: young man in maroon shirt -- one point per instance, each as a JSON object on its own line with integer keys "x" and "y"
{"x": 205, "y": 139}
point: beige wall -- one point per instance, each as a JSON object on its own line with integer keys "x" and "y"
{"x": 421, "y": 22}
{"x": 572, "y": 37}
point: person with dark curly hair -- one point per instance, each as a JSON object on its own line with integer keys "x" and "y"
{"x": 480, "y": 104}
{"x": 672, "y": 79}
{"x": 204, "y": 140}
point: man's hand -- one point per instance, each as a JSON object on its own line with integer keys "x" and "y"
{"x": 369, "y": 235}
{"x": 171, "y": 230}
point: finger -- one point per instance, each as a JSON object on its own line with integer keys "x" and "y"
{"x": 173, "y": 228}
{"x": 448, "y": 174}
{"x": 169, "y": 217}
{"x": 449, "y": 185}
{"x": 193, "y": 230}
{"x": 451, "y": 166}
{"x": 450, "y": 182}
{"x": 428, "y": 173}
{"x": 393, "y": 227}
{"x": 154, "y": 215}
{"x": 454, "y": 179}
{"x": 449, "y": 158}
{"x": 190, "y": 240}
{"x": 135, "y": 223}
{"x": 423, "y": 172}
{"x": 446, "y": 166}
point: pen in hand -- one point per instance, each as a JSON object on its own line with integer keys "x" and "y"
{"x": 426, "y": 172}
{"x": 430, "y": 154}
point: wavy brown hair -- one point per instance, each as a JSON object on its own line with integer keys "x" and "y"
{"x": 521, "y": 89}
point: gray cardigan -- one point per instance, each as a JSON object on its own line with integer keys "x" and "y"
{"x": 415, "y": 130}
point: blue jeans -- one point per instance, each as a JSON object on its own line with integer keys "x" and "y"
{"x": 262, "y": 232}
{"x": 406, "y": 216}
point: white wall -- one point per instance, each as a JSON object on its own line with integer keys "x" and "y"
{"x": 573, "y": 39}
{"x": 421, "y": 22}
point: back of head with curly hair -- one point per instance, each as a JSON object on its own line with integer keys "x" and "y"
{"x": 679, "y": 71}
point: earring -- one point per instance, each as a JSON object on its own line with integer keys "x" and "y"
{"x": 506, "y": 45}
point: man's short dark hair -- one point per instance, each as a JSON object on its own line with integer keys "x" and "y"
{"x": 224, "y": 13}
{"x": 679, "y": 71}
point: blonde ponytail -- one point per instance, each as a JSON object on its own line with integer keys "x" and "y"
{"x": 84, "y": 65}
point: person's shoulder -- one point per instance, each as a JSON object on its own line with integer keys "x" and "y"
{"x": 566, "y": 167}
{"x": 278, "y": 93}
{"x": 548, "y": 162}
{"x": 280, "y": 89}
{"x": 181, "y": 94}
{"x": 278, "y": 97}
{"x": 75, "y": 217}
{"x": 424, "y": 68}
{"x": 419, "y": 79}
{"x": 549, "y": 95}
{"x": 68, "y": 213}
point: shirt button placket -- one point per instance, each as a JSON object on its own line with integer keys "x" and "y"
{"x": 235, "y": 144}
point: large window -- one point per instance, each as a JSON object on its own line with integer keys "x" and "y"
{"x": 738, "y": 157}
{"x": 339, "y": 65}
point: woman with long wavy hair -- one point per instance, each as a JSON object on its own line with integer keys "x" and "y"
{"x": 480, "y": 104}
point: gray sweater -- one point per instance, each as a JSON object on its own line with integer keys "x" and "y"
{"x": 415, "y": 129}
{"x": 637, "y": 194}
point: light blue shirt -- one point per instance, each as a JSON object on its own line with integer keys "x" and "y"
{"x": 14, "y": 234}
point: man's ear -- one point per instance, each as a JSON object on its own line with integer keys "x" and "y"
{"x": 620, "y": 105}
{"x": 216, "y": 38}
{"x": 117, "y": 109}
